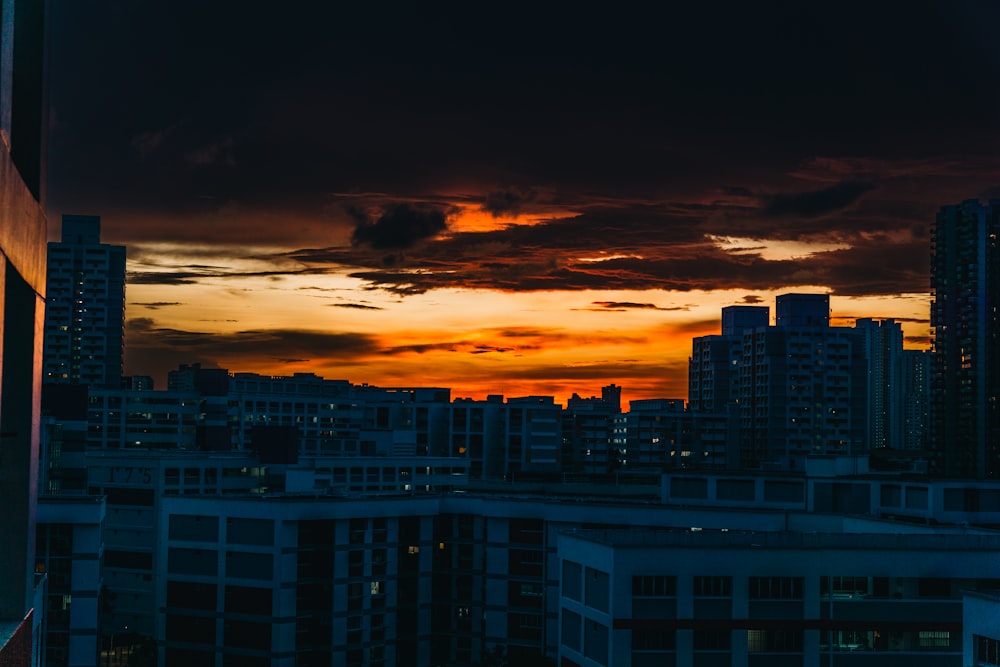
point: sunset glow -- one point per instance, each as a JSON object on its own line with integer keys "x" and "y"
{"x": 543, "y": 209}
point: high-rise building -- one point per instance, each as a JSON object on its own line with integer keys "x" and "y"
{"x": 916, "y": 397}
{"x": 84, "y": 322}
{"x": 884, "y": 352}
{"x": 713, "y": 369}
{"x": 802, "y": 386}
{"x": 965, "y": 362}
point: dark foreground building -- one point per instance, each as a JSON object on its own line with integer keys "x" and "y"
{"x": 965, "y": 374}
{"x": 22, "y": 310}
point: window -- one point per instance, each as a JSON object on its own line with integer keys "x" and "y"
{"x": 718, "y": 587}
{"x": 934, "y": 639}
{"x": 929, "y": 587}
{"x": 531, "y": 590}
{"x": 571, "y": 630}
{"x": 844, "y": 586}
{"x": 571, "y": 576}
{"x": 712, "y": 640}
{"x": 659, "y": 586}
{"x": 774, "y": 641}
{"x": 653, "y": 640}
{"x": 597, "y": 589}
{"x": 775, "y": 588}
{"x": 595, "y": 641}
{"x": 987, "y": 650}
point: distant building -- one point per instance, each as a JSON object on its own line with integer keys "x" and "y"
{"x": 965, "y": 362}
{"x": 534, "y": 435}
{"x": 587, "y": 426}
{"x": 916, "y": 399}
{"x": 803, "y": 387}
{"x": 85, "y": 318}
{"x": 714, "y": 366}
{"x": 884, "y": 353}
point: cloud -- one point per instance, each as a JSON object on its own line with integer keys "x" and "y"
{"x": 483, "y": 349}
{"x": 816, "y": 202}
{"x": 645, "y": 246}
{"x": 736, "y": 191}
{"x": 147, "y": 339}
{"x": 215, "y": 153}
{"x": 507, "y": 202}
{"x": 621, "y": 306}
{"x": 359, "y": 306}
{"x": 920, "y": 341}
{"x": 400, "y": 227}
{"x": 150, "y": 142}
{"x": 153, "y": 305}
{"x": 752, "y": 298}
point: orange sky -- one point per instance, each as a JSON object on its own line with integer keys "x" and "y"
{"x": 525, "y": 204}
{"x": 264, "y": 314}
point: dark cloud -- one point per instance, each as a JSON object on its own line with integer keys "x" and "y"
{"x": 751, "y": 299}
{"x": 484, "y": 349}
{"x": 817, "y": 202}
{"x": 153, "y": 349}
{"x": 736, "y": 191}
{"x": 697, "y": 327}
{"x": 622, "y": 305}
{"x": 400, "y": 227}
{"x": 187, "y": 276}
{"x": 508, "y": 202}
{"x": 359, "y": 306}
{"x": 153, "y": 305}
{"x": 644, "y": 246}
{"x": 163, "y": 278}
{"x": 921, "y": 341}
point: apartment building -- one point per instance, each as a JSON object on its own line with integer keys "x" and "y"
{"x": 698, "y": 597}
{"x": 85, "y": 315}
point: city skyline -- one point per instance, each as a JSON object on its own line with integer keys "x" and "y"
{"x": 539, "y": 204}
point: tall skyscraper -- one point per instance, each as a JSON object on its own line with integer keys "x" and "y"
{"x": 916, "y": 395}
{"x": 84, "y": 321}
{"x": 965, "y": 361}
{"x": 884, "y": 352}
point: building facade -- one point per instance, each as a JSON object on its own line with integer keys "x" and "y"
{"x": 965, "y": 361}
{"x": 23, "y": 122}
{"x": 884, "y": 354}
{"x": 803, "y": 386}
{"x": 85, "y": 318}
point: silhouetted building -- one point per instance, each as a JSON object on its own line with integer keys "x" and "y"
{"x": 916, "y": 399}
{"x": 714, "y": 367}
{"x": 803, "y": 386}
{"x": 587, "y": 425}
{"x": 965, "y": 315}
{"x": 802, "y": 310}
{"x": 85, "y": 317}
{"x": 884, "y": 352}
{"x": 736, "y": 319}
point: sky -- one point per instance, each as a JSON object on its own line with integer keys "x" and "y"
{"x": 503, "y": 198}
